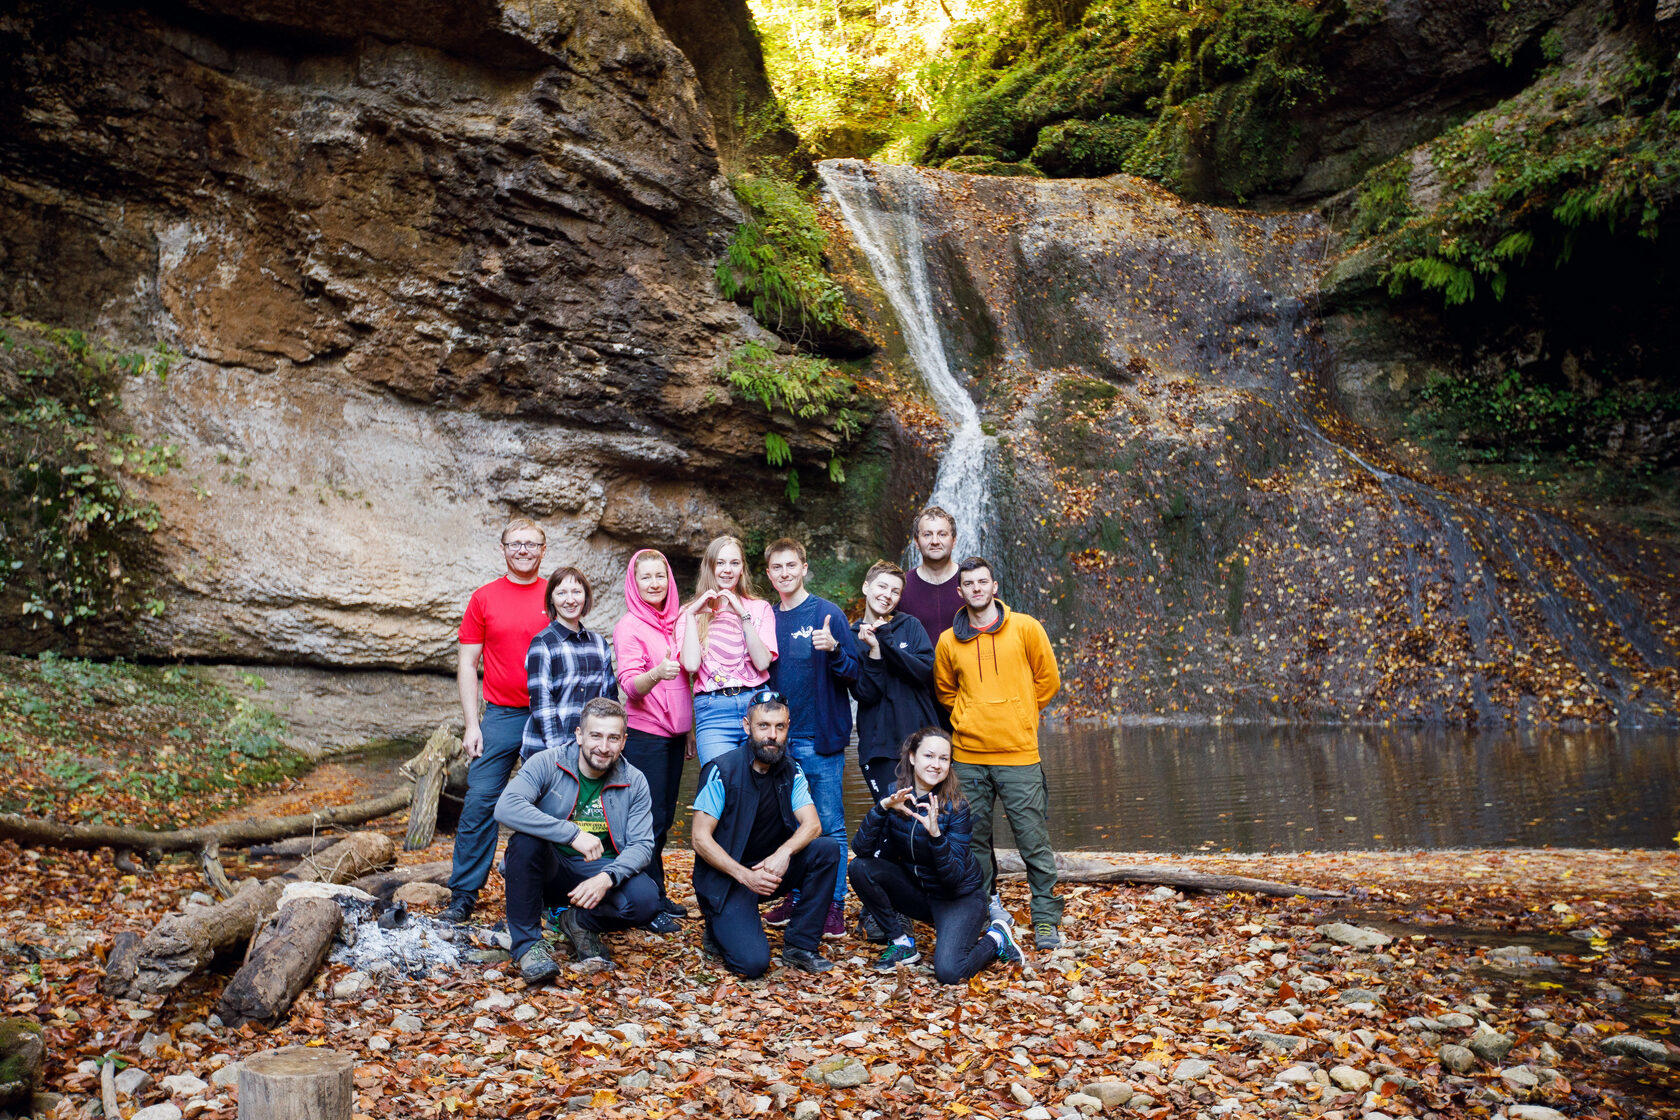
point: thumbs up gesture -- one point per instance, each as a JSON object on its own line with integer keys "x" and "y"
{"x": 823, "y": 639}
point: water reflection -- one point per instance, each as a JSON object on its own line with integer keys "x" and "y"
{"x": 1286, "y": 788}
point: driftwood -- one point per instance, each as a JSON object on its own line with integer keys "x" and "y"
{"x": 281, "y": 963}
{"x": 429, "y": 771}
{"x": 384, "y": 884}
{"x": 1074, "y": 869}
{"x": 297, "y": 1083}
{"x": 181, "y": 944}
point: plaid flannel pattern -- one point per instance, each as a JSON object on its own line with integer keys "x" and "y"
{"x": 564, "y": 671}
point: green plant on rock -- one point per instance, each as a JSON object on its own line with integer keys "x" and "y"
{"x": 807, "y": 389}
{"x": 70, "y": 528}
{"x": 774, "y": 264}
{"x": 1513, "y": 417}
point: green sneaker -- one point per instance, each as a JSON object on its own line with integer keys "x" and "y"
{"x": 1046, "y": 936}
{"x": 1009, "y": 950}
{"x": 895, "y": 955}
{"x": 536, "y": 964}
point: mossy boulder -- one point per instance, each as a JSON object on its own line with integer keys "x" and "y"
{"x": 22, "y": 1050}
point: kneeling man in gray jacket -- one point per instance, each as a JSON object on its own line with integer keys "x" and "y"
{"x": 582, "y": 825}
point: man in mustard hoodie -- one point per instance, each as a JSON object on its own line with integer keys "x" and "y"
{"x": 995, "y": 671}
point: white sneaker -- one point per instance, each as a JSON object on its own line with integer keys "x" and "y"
{"x": 996, "y": 913}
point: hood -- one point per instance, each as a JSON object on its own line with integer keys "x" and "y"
{"x": 663, "y": 618}
{"x": 964, "y": 630}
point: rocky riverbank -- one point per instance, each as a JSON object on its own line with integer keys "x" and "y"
{"x": 1523, "y": 984}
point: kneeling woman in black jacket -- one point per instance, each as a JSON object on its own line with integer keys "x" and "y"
{"x": 910, "y": 859}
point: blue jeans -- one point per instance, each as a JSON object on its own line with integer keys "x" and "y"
{"x": 475, "y": 835}
{"x": 717, "y": 724}
{"x": 826, "y": 774}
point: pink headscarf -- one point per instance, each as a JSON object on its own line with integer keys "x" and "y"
{"x": 662, "y": 618}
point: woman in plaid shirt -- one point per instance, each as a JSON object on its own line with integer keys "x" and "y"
{"x": 567, "y": 665}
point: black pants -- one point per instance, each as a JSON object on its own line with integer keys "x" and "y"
{"x": 880, "y": 776}
{"x": 739, "y": 928}
{"x": 539, "y": 876}
{"x": 961, "y": 947}
{"x": 660, "y": 759}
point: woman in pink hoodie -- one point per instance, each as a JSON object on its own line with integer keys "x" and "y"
{"x": 658, "y": 700}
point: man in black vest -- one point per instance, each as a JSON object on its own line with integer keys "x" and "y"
{"x": 757, "y": 837}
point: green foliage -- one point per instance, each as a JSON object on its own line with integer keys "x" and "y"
{"x": 1384, "y": 201}
{"x": 1514, "y": 418}
{"x": 1535, "y": 173}
{"x": 807, "y": 389}
{"x": 774, "y": 262}
{"x": 70, "y": 529}
{"x": 1135, "y": 86}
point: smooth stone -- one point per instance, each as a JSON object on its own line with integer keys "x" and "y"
{"x": 1191, "y": 1068}
{"x": 1037, "y": 1112}
{"x": 1023, "y": 1096}
{"x": 1086, "y": 1104}
{"x": 807, "y": 1110}
{"x": 1141, "y": 1102}
{"x": 1533, "y": 1112}
{"x": 1489, "y": 1045}
{"x": 524, "y": 1013}
{"x": 133, "y": 1081}
{"x": 1457, "y": 1058}
{"x": 158, "y": 1112}
{"x": 842, "y": 1073}
{"x": 1285, "y": 1042}
{"x": 1360, "y": 995}
{"x": 1357, "y": 937}
{"x": 378, "y": 1042}
{"x": 1350, "y": 1079}
{"x": 634, "y": 1033}
{"x": 1295, "y": 1075}
{"x": 408, "y": 1024}
{"x": 351, "y": 984}
{"x": 641, "y": 1079}
{"x": 226, "y": 1077}
{"x": 184, "y": 1085}
{"x": 495, "y": 1001}
{"x": 149, "y": 1043}
{"x": 1456, "y": 1020}
{"x": 1110, "y": 1093}
{"x": 1520, "y": 1078}
{"x": 1635, "y": 1046}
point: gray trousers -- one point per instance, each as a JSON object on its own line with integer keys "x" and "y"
{"x": 1026, "y": 804}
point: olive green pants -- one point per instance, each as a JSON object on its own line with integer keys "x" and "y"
{"x": 1026, "y": 805}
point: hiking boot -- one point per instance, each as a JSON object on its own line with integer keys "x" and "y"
{"x": 996, "y": 913}
{"x": 674, "y": 909}
{"x": 1009, "y": 950}
{"x": 781, "y": 913}
{"x": 870, "y": 930}
{"x": 804, "y": 960}
{"x": 537, "y": 964}
{"x": 457, "y": 912}
{"x": 1046, "y": 936}
{"x": 586, "y": 943}
{"x": 551, "y": 917}
{"x": 896, "y": 955}
{"x": 835, "y": 924}
{"x": 709, "y": 945}
{"x": 662, "y": 923}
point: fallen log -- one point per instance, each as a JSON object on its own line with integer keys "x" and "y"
{"x": 282, "y": 963}
{"x": 1073, "y": 869}
{"x": 182, "y": 944}
{"x": 384, "y": 884}
{"x": 429, "y": 771}
{"x": 292, "y": 847}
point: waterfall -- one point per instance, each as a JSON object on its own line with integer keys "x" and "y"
{"x": 878, "y": 202}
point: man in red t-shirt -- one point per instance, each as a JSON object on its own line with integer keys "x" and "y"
{"x": 502, "y": 617}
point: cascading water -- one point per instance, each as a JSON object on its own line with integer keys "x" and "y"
{"x": 878, "y": 203}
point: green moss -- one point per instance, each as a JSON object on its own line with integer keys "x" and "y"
{"x": 1087, "y": 148}
{"x": 72, "y": 532}
{"x": 1384, "y": 199}
{"x": 774, "y": 263}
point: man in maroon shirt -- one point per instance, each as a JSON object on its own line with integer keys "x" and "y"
{"x": 501, "y": 619}
{"x": 930, "y": 588}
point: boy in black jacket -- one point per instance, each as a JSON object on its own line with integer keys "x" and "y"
{"x": 894, "y": 689}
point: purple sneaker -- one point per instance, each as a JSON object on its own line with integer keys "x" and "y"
{"x": 835, "y": 924}
{"x": 781, "y": 913}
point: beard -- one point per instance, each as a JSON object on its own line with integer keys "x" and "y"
{"x": 767, "y": 751}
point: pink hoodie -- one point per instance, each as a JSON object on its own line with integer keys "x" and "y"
{"x": 642, "y": 639}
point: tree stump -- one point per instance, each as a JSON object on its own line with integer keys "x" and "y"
{"x": 282, "y": 964}
{"x": 297, "y": 1083}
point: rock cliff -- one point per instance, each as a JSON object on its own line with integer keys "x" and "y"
{"x": 429, "y": 263}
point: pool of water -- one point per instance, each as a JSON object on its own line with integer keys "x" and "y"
{"x": 1252, "y": 789}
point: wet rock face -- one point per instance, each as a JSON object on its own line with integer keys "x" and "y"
{"x": 430, "y": 264}
{"x": 1203, "y": 532}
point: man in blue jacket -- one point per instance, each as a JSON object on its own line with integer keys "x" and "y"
{"x": 582, "y": 824}
{"x": 816, "y": 662}
{"x": 757, "y": 836}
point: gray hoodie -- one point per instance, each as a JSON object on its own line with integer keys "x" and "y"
{"x": 540, "y": 799}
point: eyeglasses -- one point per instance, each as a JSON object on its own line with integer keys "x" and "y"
{"x": 766, "y": 696}
{"x": 524, "y": 546}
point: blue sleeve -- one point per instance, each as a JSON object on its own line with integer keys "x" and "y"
{"x": 843, "y": 658}
{"x": 710, "y": 799}
{"x": 801, "y": 790}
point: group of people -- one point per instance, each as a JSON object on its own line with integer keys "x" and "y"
{"x": 948, "y": 685}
